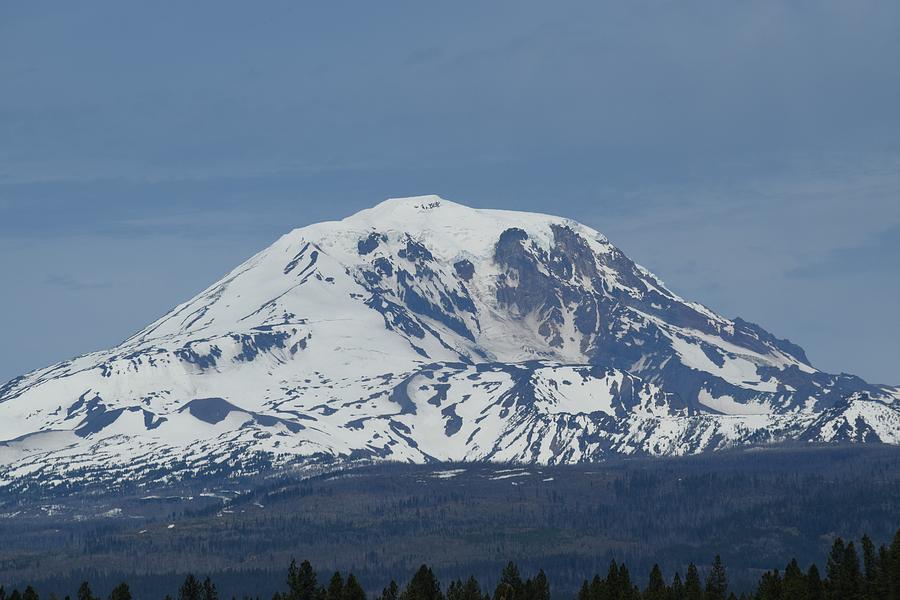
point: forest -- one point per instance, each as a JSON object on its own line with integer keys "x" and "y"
{"x": 867, "y": 573}
{"x": 381, "y": 522}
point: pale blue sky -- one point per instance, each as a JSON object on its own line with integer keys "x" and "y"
{"x": 748, "y": 153}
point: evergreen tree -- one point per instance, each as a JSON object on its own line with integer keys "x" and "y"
{"x": 610, "y": 591}
{"x": 120, "y": 592}
{"x": 190, "y": 589}
{"x": 455, "y": 590}
{"x": 692, "y": 589}
{"x": 656, "y": 586}
{"x": 834, "y": 575}
{"x": 893, "y": 568}
{"x": 882, "y": 583}
{"x": 423, "y": 586}
{"x": 853, "y": 573}
{"x": 335, "y": 589}
{"x": 627, "y": 590}
{"x": 769, "y": 586}
{"x": 794, "y": 585}
{"x": 677, "y": 591}
{"x": 539, "y": 588}
{"x": 717, "y": 581}
{"x": 391, "y": 592}
{"x": 815, "y": 590}
{"x": 599, "y": 588}
{"x": 352, "y": 590}
{"x": 584, "y": 593}
{"x": 871, "y": 567}
{"x": 301, "y": 581}
{"x": 209, "y": 590}
{"x": 15, "y": 595}
{"x": 292, "y": 581}
{"x": 466, "y": 590}
{"x": 510, "y": 586}
{"x": 29, "y": 594}
{"x": 84, "y": 592}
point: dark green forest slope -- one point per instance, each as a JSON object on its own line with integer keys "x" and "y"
{"x": 876, "y": 577}
{"x": 756, "y": 509}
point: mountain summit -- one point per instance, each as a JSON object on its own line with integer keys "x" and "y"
{"x": 423, "y": 330}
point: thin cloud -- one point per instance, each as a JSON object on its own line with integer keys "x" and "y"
{"x": 879, "y": 253}
{"x": 72, "y": 284}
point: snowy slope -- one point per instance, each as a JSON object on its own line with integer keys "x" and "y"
{"x": 423, "y": 330}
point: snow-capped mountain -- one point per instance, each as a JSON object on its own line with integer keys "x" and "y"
{"x": 424, "y": 330}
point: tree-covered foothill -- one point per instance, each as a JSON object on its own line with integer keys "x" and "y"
{"x": 852, "y": 572}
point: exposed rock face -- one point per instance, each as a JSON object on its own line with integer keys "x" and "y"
{"x": 423, "y": 330}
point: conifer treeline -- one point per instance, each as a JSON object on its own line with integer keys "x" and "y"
{"x": 868, "y": 574}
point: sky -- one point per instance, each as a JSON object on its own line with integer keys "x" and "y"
{"x": 748, "y": 153}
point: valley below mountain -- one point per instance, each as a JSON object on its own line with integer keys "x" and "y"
{"x": 753, "y": 506}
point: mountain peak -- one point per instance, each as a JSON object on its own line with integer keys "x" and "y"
{"x": 451, "y": 230}
{"x": 417, "y": 330}
{"x": 391, "y": 210}
{"x": 418, "y": 203}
